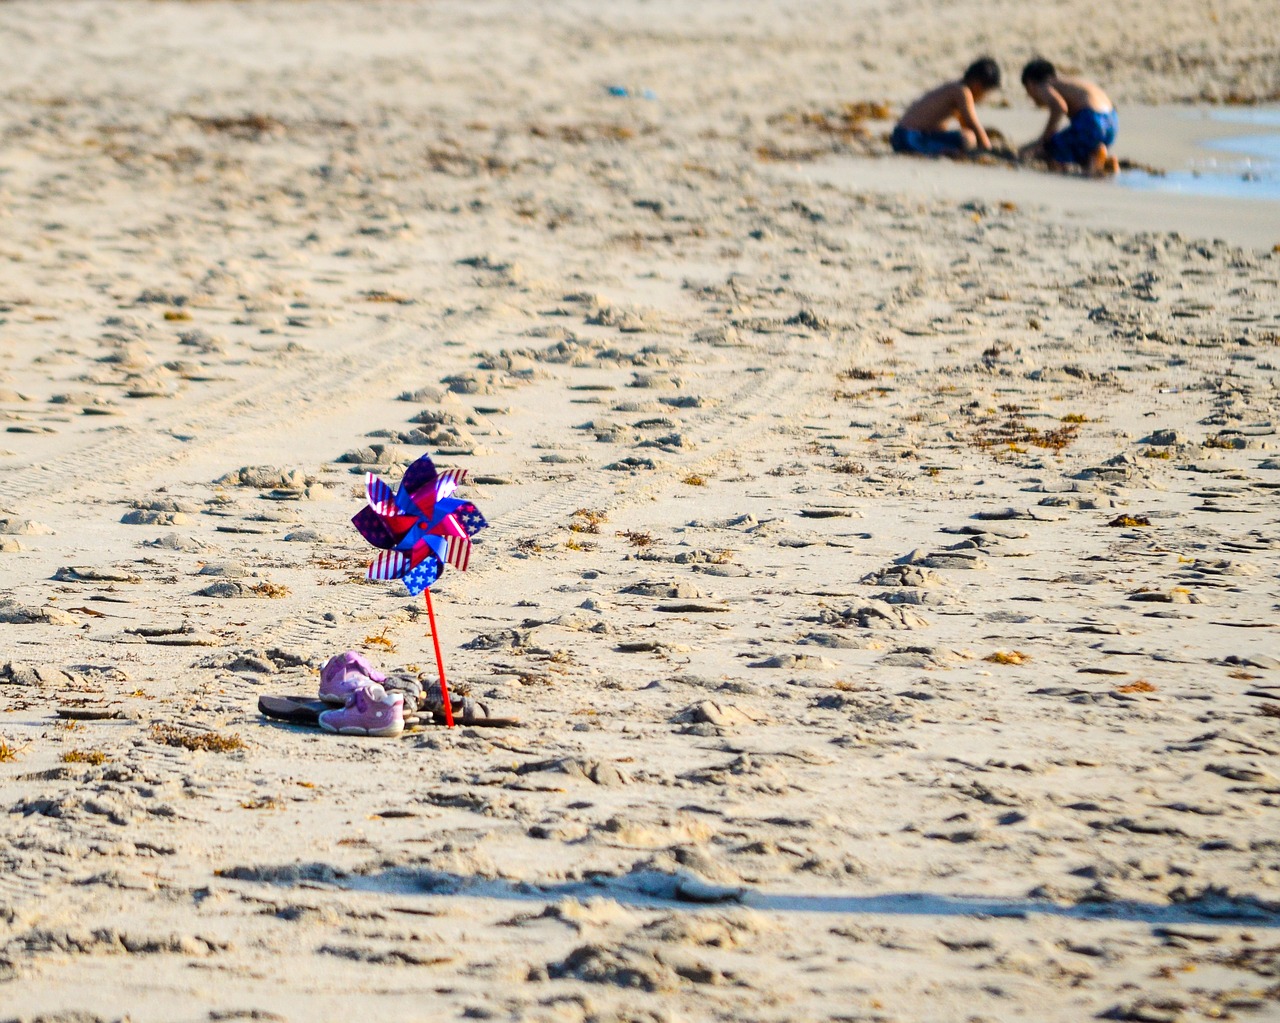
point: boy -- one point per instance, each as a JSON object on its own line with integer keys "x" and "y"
{"x": 1092, "y": 118}
{"x": 920, "y": 130}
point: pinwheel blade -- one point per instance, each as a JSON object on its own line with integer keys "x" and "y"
{"x": 457, "y": 552}
{"x": 420, "y": 473}
{"x": 449, "y": 481}
{"x": 382, "y": 498}
{"x": 422, "y": 575}
{"x": 471, "y": 519}
{"x": 374, "y": 528}
{"x": 426, "y": 546}
{"x": 388, "y": 565}
{"x": 448, "y": 526}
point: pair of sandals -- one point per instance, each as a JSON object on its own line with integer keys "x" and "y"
{"x": 358, "y": 699}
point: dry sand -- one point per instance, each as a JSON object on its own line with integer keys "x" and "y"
{"x": 887, "y": 581}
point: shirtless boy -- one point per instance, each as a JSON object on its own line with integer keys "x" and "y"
{"x": 922, "y": 129}
{"x": 1091, "y": 116}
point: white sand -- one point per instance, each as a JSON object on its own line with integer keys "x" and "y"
{"x": 856, "y": 696}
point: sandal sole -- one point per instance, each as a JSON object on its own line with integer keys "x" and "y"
{"x": 372, "y": 733}
{"x": 306, "y": 711}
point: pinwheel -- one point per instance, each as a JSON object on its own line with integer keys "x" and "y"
{"x": 420, "y": 527}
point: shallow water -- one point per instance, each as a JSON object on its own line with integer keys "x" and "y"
{"x": 1266, "y": 116}
{"x": 1263, "y": 147}
{"x": 1235, "y": 167}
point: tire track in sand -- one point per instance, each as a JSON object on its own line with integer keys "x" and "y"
{"x": 761, "y": 402}
{"x": 293, "y": 393}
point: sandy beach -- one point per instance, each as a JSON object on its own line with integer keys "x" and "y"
{"x": 883, "y": 560}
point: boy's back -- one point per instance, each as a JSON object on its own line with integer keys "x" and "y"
{"x": 936, "y": 107}
{"x": 1081, "y": 94}
{"x": 921, "y": 129}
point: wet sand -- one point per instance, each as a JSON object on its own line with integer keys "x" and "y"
{"x": 1164, "y": 138}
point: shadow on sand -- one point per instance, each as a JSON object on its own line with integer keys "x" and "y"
{"x": 650, "y": 889}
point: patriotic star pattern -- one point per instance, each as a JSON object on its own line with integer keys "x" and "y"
{"x": 420, "y": 527}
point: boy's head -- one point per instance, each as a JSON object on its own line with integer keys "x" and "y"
{"x": 982, "y": 76}
{"x": 1037, "y": 72}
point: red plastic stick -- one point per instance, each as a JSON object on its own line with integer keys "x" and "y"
{"x": 435, "y": 639}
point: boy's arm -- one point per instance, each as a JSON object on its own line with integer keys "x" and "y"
{"x": 968, "y": 116}
{"x": 1057, "y": 111}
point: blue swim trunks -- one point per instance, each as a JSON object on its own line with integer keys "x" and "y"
{"x": 1088, "y": 130}
{"x": 926, "y": 143}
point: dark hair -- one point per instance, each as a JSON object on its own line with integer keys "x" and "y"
{"x": 1037, "y": 71}
{"x": 984, "y": 72}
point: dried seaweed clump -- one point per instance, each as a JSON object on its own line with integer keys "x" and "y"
{"x": 85, "y": 756}
{"x": 270, "y": 590}
{"x": 208, "y": 742}
{"x": 1012, "y": 434}
{"x": 585, "y": 520}
{"x": 845, "y": 122}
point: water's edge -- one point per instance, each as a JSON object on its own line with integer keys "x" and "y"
{"x": 1232, "y": 167}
